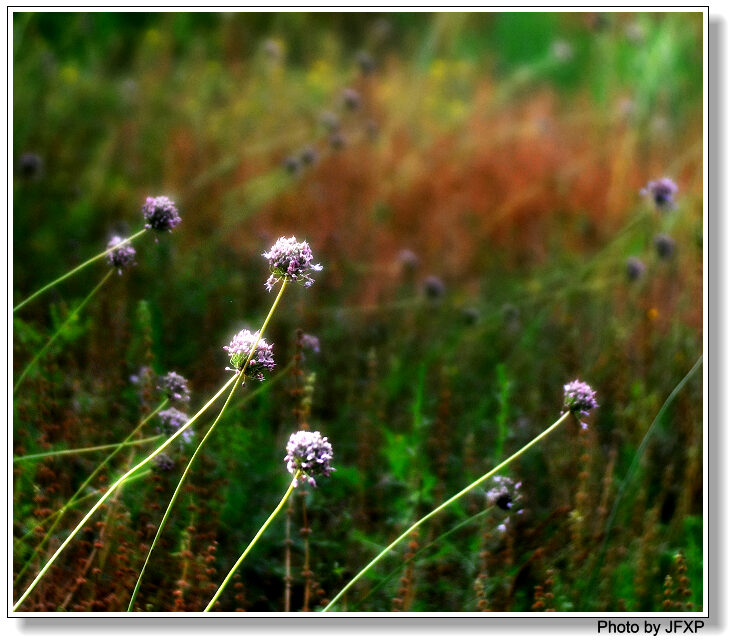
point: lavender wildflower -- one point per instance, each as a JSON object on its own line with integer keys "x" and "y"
{"x": 663, "y": 192}
{"x": 308, "y": 453}
{"x": 434, "y": 288}
{"x": 635, "y": 268}
{"x": 160, "y": 213}
{"x": 171, "y": 421}
{"x": 175, "y": 386}
{"x": 291, "y": 260}
{"x": 121, "y": 257}
{"x": 408, "y": 260}
{"x": 366, "y": 63}
{"x": 329, "y": 121}
{"x": 30, "y": 165}
{"x": 504, "y": 493}
{"x": 351, "y": 99}
{"x": 579, "y": 398}
{"x": 163, "y": 463}
{"x": 308, "y": 156}
{"x": 665, "y": 246}
{"x": 337, "y": 140}
{"x": 291, "y": 164}
{"x": 312, "y": 342}
{"x": 261, "y": 361}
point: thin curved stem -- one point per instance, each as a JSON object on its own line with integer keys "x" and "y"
{"x": 71, "y": 315}
{"x": 445, "y": 504}
{"x": 112, "y": 488}
{"x": 200, "y": 445}
{"x": 77, "y": 269}
{"x": 89, "y": 449}
{"x": 253, "y": 542}
{"x": 84, "y": 485}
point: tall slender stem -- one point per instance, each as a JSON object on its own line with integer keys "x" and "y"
{"x": 112, "y": 488}
{"x": 253, "y": 542}
{"x": 89, "y": 449}
{"x": 445, "y": 504}
{"x": 201, "y": 444}
{"x": 77, "y": 269}
{"x": 71, "y": 315}
{"x": 84, "y": 485}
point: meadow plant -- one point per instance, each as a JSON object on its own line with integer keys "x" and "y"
{"x": 635, "y": 268}
{"x": 291, "y": 261}
{"x": 160, "y": 215}
{"x": 308, "y": 454}
{"x": 662, "y": 191}
{"x": 665, "y": 246}
{"x": 578, "y": 397}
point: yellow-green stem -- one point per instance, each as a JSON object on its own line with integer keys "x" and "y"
{"x": 84, "y": 485}
{"x": 89, "y": 449}
{"x": 253, "y": 542}
{"x": 201, "y": 444}
{"x": 445, "y": 504}
{"x": 112, "y": 488}
{"x": 76, "y": 269}
{"x": 71, "y": 316}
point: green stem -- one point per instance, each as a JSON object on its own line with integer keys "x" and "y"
{"x": 112, "y": 488}
{"x": 445, "y": 504}
{"x": 76, "y": 269}
{"x": 71, "y": 316}
{"x": 253, "y": 541}
{"x": 199, "y": 447}
{"x": 89, "y": 449}
{"x": 84, "y": 485}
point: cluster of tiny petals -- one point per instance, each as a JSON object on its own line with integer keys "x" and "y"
{"x": 579, "y": 398}
{"x": 175, "y": 386}
{"x": 663, "y": 192}
{"x": 505, "y": 492}
{"x": 172, "y": 420}
{"x": 289, "y": 259}
{"x": 310, "y": 454}
{"x": 239, "y": 349}
{"x": 161, "y": 214}
{"x": 121, "y": 257}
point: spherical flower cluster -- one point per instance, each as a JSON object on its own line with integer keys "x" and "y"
{"x": 434, "y": 288}
{"x": 665, "y": 246}
{"x": 311, "y": 341}
{"x": 351, "y": 99}
{"x": 262, "y": 359}
{"x": 291, "y": 260}
{"x": 308, "y": 453}
{"x": 171, "y": 420}
{"x": 163, "y": 463}
{"x": 579, "y": 397}
{"x": 635, "y": 268}
{"x": 504, "y": 493}
{"x": 663, "y": 192}
{"x": 175, "y": 386}
{"x": 121, "y": 257}
{"x": 160, "y": 213}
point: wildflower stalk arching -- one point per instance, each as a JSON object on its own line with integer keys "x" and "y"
{"x": 445, "y": 504}
{"x": 240, "y": 373}
{"x": 53, "y": 337}
{"x": 65, "y": 276}
{"x": 280, "y": 505}
{"x": 118, "y": 483}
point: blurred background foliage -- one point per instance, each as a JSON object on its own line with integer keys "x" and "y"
{"x": 470, "y": 181}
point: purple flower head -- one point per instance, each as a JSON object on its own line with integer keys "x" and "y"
{"x": 160, "y": 213}
{"x": 171, "y": 420}
{"x": 175, "y": 386}
{"x": 30, "y": 165}
{"x": 163, "y": 463}
{"x": 579, "y": 397}
{"x": 408, "y": 260}
{"x": 312, "y": 342}
{"x": 291, "y": 260}
{"x": 121, "y": 257}
{"x": 366, "y": 62}
{"x": 434, "y": 288}
{"x": 308, "y": 156}
{"x": 291, "y": 164}
{"x": 635, "y": 268}
{"x": 308, "y": 453}
{"x": 239, "y": 349}
{"x": 337, "y": 140}
{"x": 663, "y": 192}
{"x": 504, "y": 493}
{"x": 665, "y": 246}
{"x": 351, "y": 99}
